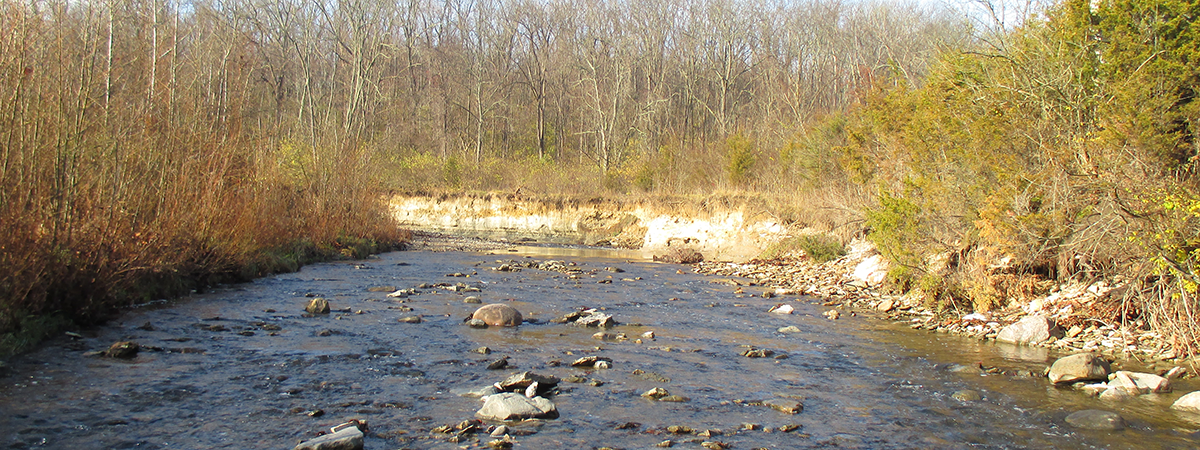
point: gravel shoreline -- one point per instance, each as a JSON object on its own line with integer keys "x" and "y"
{"x": 835, "y": 282}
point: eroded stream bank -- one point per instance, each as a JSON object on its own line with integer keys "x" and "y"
{"x": 245, "y": 368}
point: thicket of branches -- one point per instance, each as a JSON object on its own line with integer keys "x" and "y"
{"x": 1066, "y": 148}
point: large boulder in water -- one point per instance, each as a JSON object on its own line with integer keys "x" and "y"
{"x": 1079, "y": 367}
{"x": 498, "y": 315}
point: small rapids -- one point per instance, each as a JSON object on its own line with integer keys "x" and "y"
{"x": 245, "y": 367}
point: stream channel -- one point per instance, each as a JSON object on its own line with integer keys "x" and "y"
{"x": 244, "y": 367}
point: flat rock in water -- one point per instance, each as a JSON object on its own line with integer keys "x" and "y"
{"x": 472, "y": 300}
{"x": 591, "y": 361}
{"x": 318, "y": 306}
{"x": 784, "y": 405}
{"x": 521, "y": 381}
{"x": 1095, "y": 419}
{"x": 1030, "y": 330}
{"x": 1079, "y": 367}
{"x": 596, "y": 319}
{"x": 498, "y": 315}
{"x": 788, "y": 329}
{"x": 512, "y": 406}
{"x": 1143, "y": 383}
{"x": 348, "y": 438}
{"x": 782, "y": 308}
{"x": 1189, "y": 402}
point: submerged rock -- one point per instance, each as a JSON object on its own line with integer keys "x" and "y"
{"x": 512, "y": 406}
{"x": 656, "y": 393}
{"x": 347, "y": 436}
{"x": 498, "y": 315}
{"x": 318, "y": 306}
{"x": 784, "y": 405}
{"x": 680, "y": 255}
{"x": 1095, "y": 419}
{"x": 1189, "y": 402}
{"x": 1078, "y": 367}
{"x": 967, "y": 395}
{"x": 123, "y": 350}
{"x": 1030, "y": 330}
{"x": 593, "y": 361}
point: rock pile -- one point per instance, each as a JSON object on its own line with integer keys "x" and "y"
{"x": 588, "y": 318}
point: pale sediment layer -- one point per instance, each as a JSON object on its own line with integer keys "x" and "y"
{"x": 734, "y": 233}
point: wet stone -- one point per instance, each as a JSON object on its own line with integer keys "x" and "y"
{"x": 758, "y": 353}
{"x": 1189, "y": 402}
{"x": 344, "y": 437}
{"x": 596, "y": 319}
{"x": 1029, "y": 330}
{"x": 521, "y": 381}
{"x": 512, "y": 406}
{"x": 318, "y": 306}
{"x": 498, "y": 364}
{"x": 656, "y": 393}
{"x": 410, "y": 319}
{"x": 498, "y": 315}
{"x": 472, "y": 300}
{"x": 785, "y": 406}
{"x": 122, "y": 350}
{"x": 679, "y": 429}
{"x": 788, "y": 329}
{"x": 592, "y": 361}
{"x": 1078, "y": 367}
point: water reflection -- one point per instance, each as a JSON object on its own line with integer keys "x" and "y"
{"x": 1022, "y": 352}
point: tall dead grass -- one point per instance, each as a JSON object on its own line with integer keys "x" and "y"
{"x": 113, "y": 192}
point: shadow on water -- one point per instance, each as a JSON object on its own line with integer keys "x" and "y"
{"x": 244, "y": 368}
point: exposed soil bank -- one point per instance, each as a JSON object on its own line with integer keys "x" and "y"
{"x": 721, "y": 230}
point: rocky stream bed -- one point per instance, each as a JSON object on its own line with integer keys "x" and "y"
{"x": 612, "y": 352}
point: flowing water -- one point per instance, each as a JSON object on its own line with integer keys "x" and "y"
{"x": 223, "y": 379}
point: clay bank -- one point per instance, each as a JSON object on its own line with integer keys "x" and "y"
{"x": 719, "y": 230}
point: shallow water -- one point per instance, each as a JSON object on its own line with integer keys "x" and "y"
{"x": 866, "y": 383}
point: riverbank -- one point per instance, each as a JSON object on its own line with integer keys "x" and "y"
{"x": 731, "y": 232}
{"x": 851, "y": 284}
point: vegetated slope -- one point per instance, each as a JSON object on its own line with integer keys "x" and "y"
{"x": 129, "y": 172}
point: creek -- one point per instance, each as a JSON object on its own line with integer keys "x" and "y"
{"x": 244, "y": 367}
